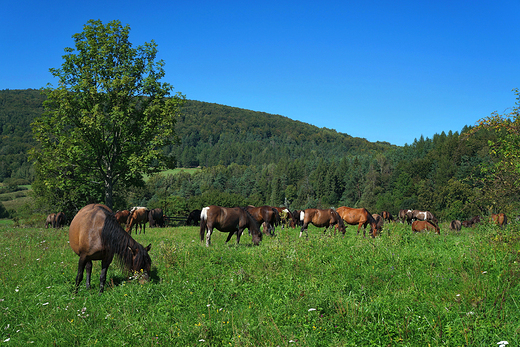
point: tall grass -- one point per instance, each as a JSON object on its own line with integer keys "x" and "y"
{"x": 456, "y": 289}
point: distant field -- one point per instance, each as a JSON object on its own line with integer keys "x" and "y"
{"x": 190, "y": 170}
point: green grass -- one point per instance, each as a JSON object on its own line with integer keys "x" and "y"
{"x": 403, "y": 289}
{"x": 190, "y": 170}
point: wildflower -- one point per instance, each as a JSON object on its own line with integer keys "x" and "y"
{"x": 208, "y": 305}
{"x": 312, "y": 309}
{"x": 45, "y": 303}
{"x": 7, "y": 340}
{"x": 202, "y": 340}
{"x": 502, "y": 343}
{"x": 484, "y": 272}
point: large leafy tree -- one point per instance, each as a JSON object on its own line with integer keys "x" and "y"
{"x": 502, "y": 174}
{"x": 108, "y": 121}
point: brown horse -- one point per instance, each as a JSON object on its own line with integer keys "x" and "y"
{"x": 455, "y": 225}
{"x": 387, "y": 216}
{"x": 228, "y": 220}
{"x": 95, "y": 234}
{"x": 420, "y": 225}
{"x": 424, "y": 215}
{"x": 51, "y": 220}
{"x": 193, "y": 217}
{"x": 359, "y": 216}
{"x": 138, "y": 217}
{"x": 286, "y": 217}
{"x": 122, "y": 216}
{"x": 156, "y": 218}
{"x": 266, "y": 216}
{"x": 406, "y": 216}
{"x": 61, "y": 219}
{"x": 470, "y": 223}
{"x": 379, "y": 221}
{"x": 321, "y": 218}
{"x": 499, "y": 219}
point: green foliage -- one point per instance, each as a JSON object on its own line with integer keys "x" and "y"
{"x": 107, "y": 122}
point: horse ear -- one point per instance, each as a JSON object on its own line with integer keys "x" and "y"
{"x": 134, "y": 251}
{"x": 148, "y": 247}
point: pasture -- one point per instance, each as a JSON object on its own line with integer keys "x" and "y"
{"x": 400, "y": 289}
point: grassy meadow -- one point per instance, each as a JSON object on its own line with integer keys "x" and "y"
{"x": 400, "y": 289}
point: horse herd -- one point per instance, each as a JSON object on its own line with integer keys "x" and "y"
{"x": 96, "y": 233}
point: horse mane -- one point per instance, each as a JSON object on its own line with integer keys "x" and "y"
{"x": 117, "y": 241}
{"x": 251, "y": 218}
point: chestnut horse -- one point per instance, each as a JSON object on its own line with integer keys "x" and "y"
{"x": 420, "y": 225}
{"x": 228, "y": 220}
{"x": 265, "y": 214}
{"x": 122, "y": 216}
{"x": 359, "y": 216}
{"x": 424, "y": 215}
{"x": 95, "y": 234}
{"x": 387, "y": 216}
{"x": 138, "y": 217}
{"x": 379, "y": 221}
{"x": 321, "y": 218}
{"x": 499, "y": 219}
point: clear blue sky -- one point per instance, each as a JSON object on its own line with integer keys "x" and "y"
{"x": 381, "y": 70}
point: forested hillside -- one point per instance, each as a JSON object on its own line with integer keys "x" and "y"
{"x": 256, "y": 158}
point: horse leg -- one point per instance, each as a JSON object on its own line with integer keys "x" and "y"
{"x": 239, "y": 233}
{"x": 230, "y": 234}
{"x": 208, "y": 236}
{"x": 304, "y": 227}
{"x": 103, "y": 277}
{"x": 81, "y": 268}
{"x": 88, "y": 268}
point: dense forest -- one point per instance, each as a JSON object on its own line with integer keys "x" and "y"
{"x": 249, "y": 157}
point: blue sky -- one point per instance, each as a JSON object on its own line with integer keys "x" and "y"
{"x": 381, "y": 70}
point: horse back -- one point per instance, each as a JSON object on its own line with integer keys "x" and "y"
{"x": 85, "y": 231}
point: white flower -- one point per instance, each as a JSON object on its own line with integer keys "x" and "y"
{"x": 208, "y": 305}
{"x": 45, "y": 303}
{"x": 202, "y": 340}
{"x": 7, "y": 340}
{"x": 502, "y": 343}
{"x": 312, "y": 309}
{"x": 484, "y": 272}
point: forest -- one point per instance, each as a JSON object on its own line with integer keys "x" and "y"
{"x": 245, "y": 157}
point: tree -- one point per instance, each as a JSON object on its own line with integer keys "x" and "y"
{"x": 110, "y": 118}
{"x": 502, "y": 175}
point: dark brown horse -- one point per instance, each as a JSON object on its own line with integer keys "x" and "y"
{"x": 455, "y": 225}
{"x": 360, "y": 217}
{"x": 321, "y": 218}
{"x": 420, "y": 225}
{"x": 387, "y": 216}
{"x": 122, "y": 216}
{"x": 95, "y": 234}
{"x": 228, "y": 220}
{"x": 156, "y": 218}
{"x": 470, "y": 223}
{"x": 61, "y": 219}
{"x": 286, "y": 217}
{"x": 138, "y": 217}
{"x": 406, "y": 216}
{"x": 51, "y": 220}
{"x": 499, "y": 219}
{"x": 193, "y": 217}
{"x": 266, "y": 215}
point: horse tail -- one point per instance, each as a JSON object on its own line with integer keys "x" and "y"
{"x": 203, "y": 222}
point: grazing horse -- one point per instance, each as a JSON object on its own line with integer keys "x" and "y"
{"x": 138, "y": 217}
{"x": 286, "y": 217}
{"x": 193, "y": 217}
{"x": 122, "y": 216}
{"x": 455, "y": 225}
{"x": 406, "y": 215}
{"x": 296, "y": 218}
{"x": 265, "y": 215}
{"x": 424, "y": 215}
{"x": 499, "y": 219}
{"x": 60, "y": 220}
{"x": 156, "y": 218}
{"x": 228, "y": 220}
{"x": 95, "y": 234}
{"x": 470, "y": 223}
{"x": 387, "y": 216}
{"x": 321, "y": 218}
{"x": 359, "y": 216}
{"x": 51, "y": 220}
{"x": 420, "y": 225}
{"x": 379, "y": 221}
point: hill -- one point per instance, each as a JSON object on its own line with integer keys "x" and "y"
{"x": 209, "y": 134}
